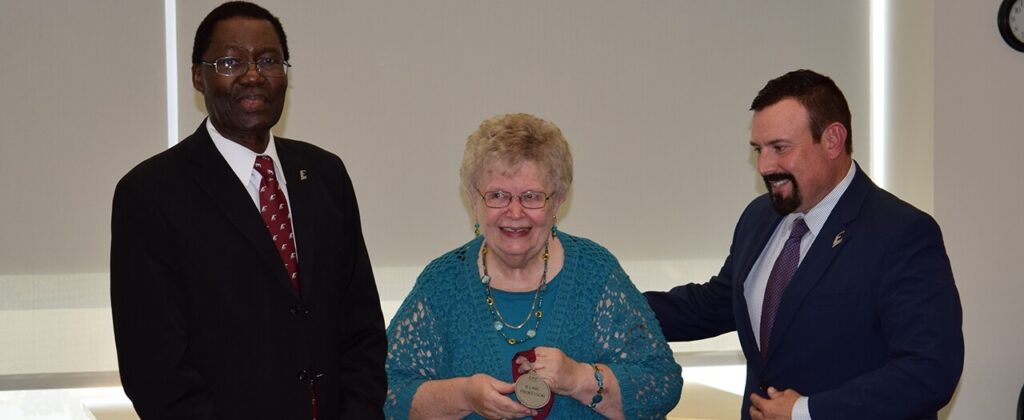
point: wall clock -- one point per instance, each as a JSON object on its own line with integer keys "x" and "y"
{"x": 1010, "y": 21}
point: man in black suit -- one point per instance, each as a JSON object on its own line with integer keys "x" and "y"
{"x": 240, "y": 283}
{"x": 867, "y": 322}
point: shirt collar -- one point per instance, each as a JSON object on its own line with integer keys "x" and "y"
{"x": 239, "y": 157}
{"x": 817, "y": 215}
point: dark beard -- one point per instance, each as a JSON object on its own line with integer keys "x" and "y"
{"x": 783, "y": 205}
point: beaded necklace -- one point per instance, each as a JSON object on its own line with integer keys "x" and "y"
{"x": 535, "y": 311}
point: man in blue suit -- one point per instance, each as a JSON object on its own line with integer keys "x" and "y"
{"x": 841, "y": 294}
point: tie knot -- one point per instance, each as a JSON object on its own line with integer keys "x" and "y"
{"x": 265, "y": 165}
{"x": 799, "y": 229}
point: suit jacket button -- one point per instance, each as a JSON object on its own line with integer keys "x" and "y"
{"x": 294, "y": 310}
{"x": 302, "y": 376}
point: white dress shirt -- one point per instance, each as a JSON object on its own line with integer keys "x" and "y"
{"x": 242, "y": 162}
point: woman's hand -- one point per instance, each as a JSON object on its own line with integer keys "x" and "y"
{"x": 564, "y": 375}
{"x": 486, "y": 396}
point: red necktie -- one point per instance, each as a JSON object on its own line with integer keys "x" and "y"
{"x": 782, "y": 272}
{"x": 274, "y": 209}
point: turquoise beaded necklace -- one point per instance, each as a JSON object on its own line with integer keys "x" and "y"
{"x": 536, "y": 312}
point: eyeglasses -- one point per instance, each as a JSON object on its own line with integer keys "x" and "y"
{"x": 501, "y": 199}
{"x": 231, "y": 66}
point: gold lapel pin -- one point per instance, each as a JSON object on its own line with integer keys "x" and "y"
{"x": 838, "y": 239}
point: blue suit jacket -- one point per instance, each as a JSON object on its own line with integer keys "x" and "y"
{"x": 870, "y": 324}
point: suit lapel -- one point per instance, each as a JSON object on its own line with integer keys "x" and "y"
{"x": 834, "y": 235}
{"x": 303, "y": 206}
{"x": 215, "y": 178}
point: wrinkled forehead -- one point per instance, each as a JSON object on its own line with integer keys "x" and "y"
{"x": 497, "y": 167}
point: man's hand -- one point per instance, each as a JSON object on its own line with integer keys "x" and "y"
{"x": 778, "y": 405}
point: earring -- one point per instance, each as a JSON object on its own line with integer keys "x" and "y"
{"x": 554, "y": 227}
{"x": 476, "y": 229}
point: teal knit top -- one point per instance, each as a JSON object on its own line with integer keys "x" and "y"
{"x": 592, "y": 312}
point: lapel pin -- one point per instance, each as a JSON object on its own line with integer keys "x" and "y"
{"x": 302, "y": 175}
{"x": 838, "y": 239}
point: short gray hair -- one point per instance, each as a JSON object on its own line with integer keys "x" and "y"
{"x": 512, "y": 139}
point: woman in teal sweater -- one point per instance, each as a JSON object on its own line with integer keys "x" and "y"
{"x": 523, "y": 300}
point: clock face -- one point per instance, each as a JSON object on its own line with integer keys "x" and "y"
{"x": 1010, "y": 21}
{"x": 1016, "y": 19}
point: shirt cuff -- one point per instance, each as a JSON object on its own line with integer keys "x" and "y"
{"x": 801, "y": 410}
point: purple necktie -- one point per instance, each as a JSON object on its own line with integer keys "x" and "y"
{"x": 779, "y": 278}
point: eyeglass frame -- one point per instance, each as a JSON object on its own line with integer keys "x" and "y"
{"x": 547, "y": 197}
{"x": 259, "y": 70}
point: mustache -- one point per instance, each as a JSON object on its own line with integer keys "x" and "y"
{"x": 781, "y": 176}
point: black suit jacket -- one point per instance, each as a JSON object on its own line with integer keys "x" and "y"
{"x": 205, "y": 320}
{"x": 870, "y": 324}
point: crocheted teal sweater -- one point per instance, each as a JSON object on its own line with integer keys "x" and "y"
{"x": 444, "y": 330}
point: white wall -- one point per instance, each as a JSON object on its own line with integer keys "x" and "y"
{"x": 83, "y": 102}
{"x": 83, "y": 88}
{"x": 910, "y": 112}
{"x": 978, "y": 199}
